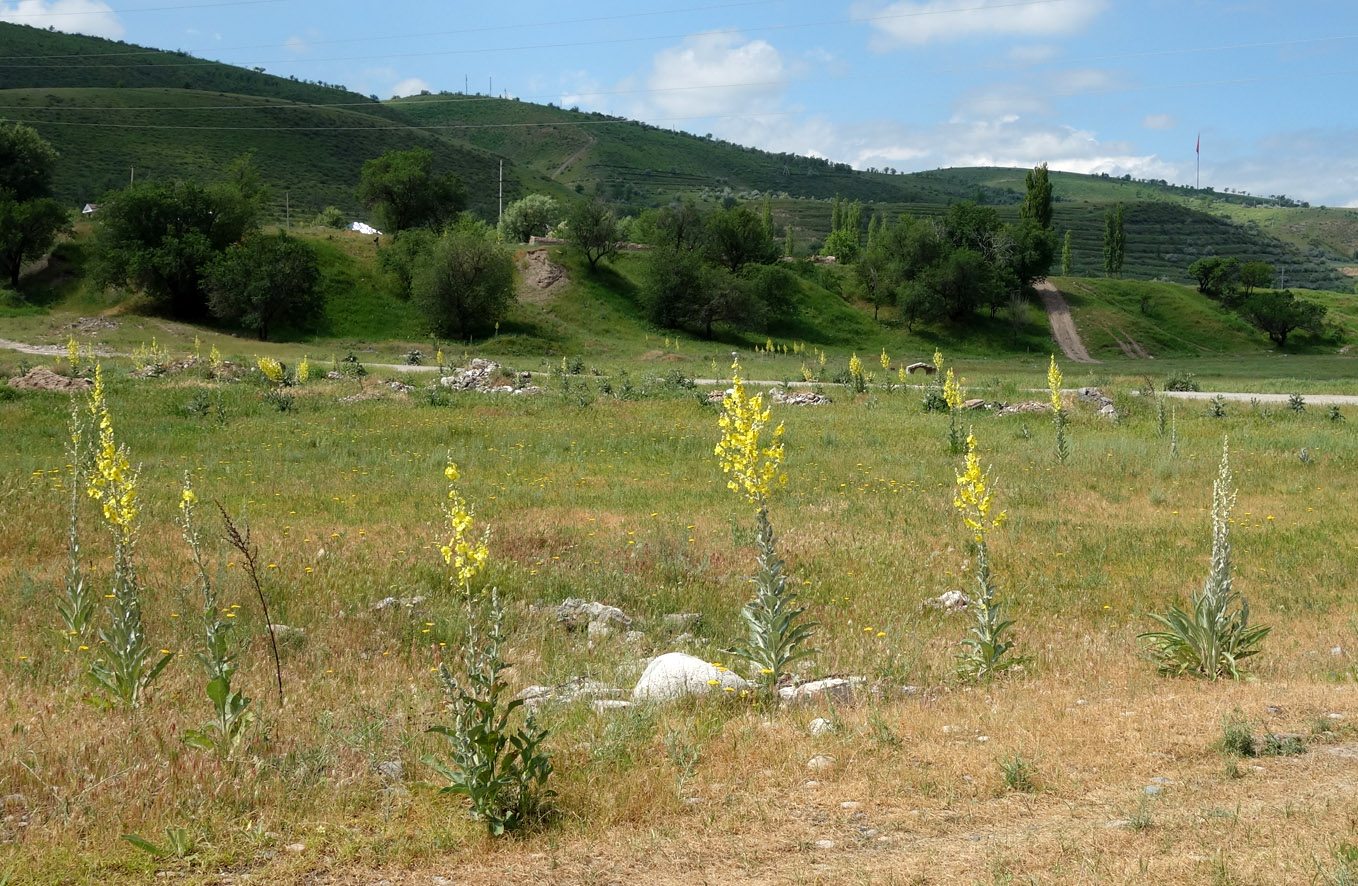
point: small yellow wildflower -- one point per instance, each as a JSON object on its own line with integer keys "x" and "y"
{"x": 885, "y": 361}
{"x": 464, "y": 554}
{"x": 855, "y": 366}
{"x": 73, "y": 353}
{"x": 938, "y": 360}
{"x": 303, "y": 370}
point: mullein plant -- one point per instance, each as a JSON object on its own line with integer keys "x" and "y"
{"x": 777, "y": 634}
{"x": 986, "y": 653}
{"x": 503, "y": 772}
{"x": 1058, "y": 411}
{"x": 231, "y": 709}
{"x": 857, "y": 381}
{"x": 78, "y": 606}
{"x": 126, "y": 669}
{"x": 1210, "y": 639}
{"x": 954, "y": 395}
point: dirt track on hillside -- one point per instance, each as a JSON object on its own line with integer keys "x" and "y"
{"x": 1063, "y": 327}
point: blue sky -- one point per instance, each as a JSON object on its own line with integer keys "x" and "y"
{"x": 1086, "y": 85}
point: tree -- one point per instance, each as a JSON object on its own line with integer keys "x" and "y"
{"x": 1065, "y": 256}
{"x": 593, "y": 229}
{"x": 1114, "y": 241}
{"x": 26, "y": 163}
{"x": 161, "y": 237}
{"x": 1037, "y": 203}
{"x": 844, "y": 239}
{"x": 1255, "y": 275}
{"x": 1217, "y": 277}
{"x": 533, "y": 216}
{"x": 28, "y": 228}
{"x": 264, "y": 281}
{"x": 1279, "y": 313}
{"x": 30, "y": 220}
{"x": 465, "y": 283}
{"x": 402, "y": 191}
{"x": 736, "y": 237}
{"x": 973, "y": 227}
{"x": 1032, "y": 248}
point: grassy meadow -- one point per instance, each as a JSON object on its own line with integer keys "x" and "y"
{"x": 615, "y": 499}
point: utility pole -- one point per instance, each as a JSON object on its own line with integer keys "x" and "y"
{"x": 466, "y": 84}
{"x": 502, "y": 191}
{"x": 287, "y": 208}
{"x": 133, "y": 180}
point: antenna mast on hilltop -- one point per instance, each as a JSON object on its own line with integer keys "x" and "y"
{"x": 1197, "y": 149}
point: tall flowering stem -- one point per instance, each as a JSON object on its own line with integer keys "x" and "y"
{"x": 231, "y": 709}
{"x": 857, "y": 380}
{"x": 463, "y": 552}
{"x": 79, "y": 604}
{"x": 1211, "y": 639}
{"x": 127, "y": 670}
{"x": 986, "y": 652}
{"x": 1058, "y": 411}
{"x": 777, "y": 636}
{"x": 954, "y": 395}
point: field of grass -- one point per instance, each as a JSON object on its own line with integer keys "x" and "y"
{"x": 619, "y": 500}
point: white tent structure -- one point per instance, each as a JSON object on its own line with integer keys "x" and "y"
{"x": 364, "y": 228}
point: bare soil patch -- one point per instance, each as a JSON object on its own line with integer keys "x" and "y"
{"x": 539, "y": 276}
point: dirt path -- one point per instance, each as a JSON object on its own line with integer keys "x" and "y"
{"x": 576, "y": 156}
{"x": 1063, "y": 327}
{"x": 1311, "y": 399}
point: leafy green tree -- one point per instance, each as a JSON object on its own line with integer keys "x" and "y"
{"x": 1114, "y": 241}
{"x": 26, "y": 162}
{"x": 532, "y": 216}
{"x": 1277, "y": 314}
{"x": 402, "y": 253}
{"x": 1030, "y": 252}
{"x": 1217, "y": 277}
{"x": 264, "y": 281}
{"x": 28, "y": 228}
{"x": 465, "y": 283}
{"x": 874, "y": 273}
{"x": 402, "y": 191}
{"x": 973, "y": 227}
{"x": 844, "y": 239}
{"x": 329, "y": 217}
{"x": 1255, "y": 275}
{"x": 681, "y": 290}
{"x": 736, "y": 237}
{"x": 679, "y": 225}
{"x": 30, "y": 220}
{"x": 593, "y": 229}
{"x": 1037, "y": 203}
{"x": 1066, "y": 256}
{"x": 162, "y": 236}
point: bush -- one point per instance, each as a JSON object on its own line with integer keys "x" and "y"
{"x": 466, "y": 282}
{"x": 533, "y": 216}
{"x": 1179, "y": 380}
{"x": 329, "y": 217}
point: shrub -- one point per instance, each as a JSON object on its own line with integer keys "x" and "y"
{"x": 1180, "y": 380}
{"x": 466, "y": 283}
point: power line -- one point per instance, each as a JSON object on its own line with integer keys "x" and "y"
{"x": 464, "y": 99}
{"x": 515, "y": 27}
{"x": 137, "y": 9}
{"x": 571, "y": 44}
{"x": 616, "y": 122}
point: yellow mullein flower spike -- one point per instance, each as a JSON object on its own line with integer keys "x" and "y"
{"x": 466, "y": 555}
{"x": 952, "y": 391}
{"x": 1054, "y": 384}
{"x": 973, "y": 498}
{"x": 753, "y": 470}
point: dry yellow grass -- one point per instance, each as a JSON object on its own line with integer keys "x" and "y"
{"x": 619, "y": 502}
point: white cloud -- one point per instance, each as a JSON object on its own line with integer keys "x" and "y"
{"x": 75, "y": 16}
{"x": 1033, "y": 54}
{"x": 1159, "y": 121}
{"x": 713, "y": 75}
{"x": 410, "y": 86}
{"x": 910, "y": 23}
{"x": 295, "y": 44}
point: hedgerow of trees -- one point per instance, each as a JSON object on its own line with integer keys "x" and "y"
{"x": 30, "y": 220}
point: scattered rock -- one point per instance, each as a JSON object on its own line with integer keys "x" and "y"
{"x": 397, "y": 602}
{"x": 284, "y": 632}
{"x": 950, "y": 601}
{"x": 798, "y": 398}
{"x": 1151, "y": 790}
{"x": 976, "y": 403}
{"x": 674, "y": 675}
{"x": 829, "y": 689}
{"x": 400, "y": 387}
{"x": 599, "y": 629}
{"x": 1118, "y": 823}
{"x": 1337, "y": 650}
{"x": 479, "y": 375}
{"x": 391, "y": 770}
{"x": 825, "y": 844}
{"x": 91, "y": 325}
{"x": 821, "y": 762}
{"x": 40, "y": 378}
{"x": 850, "y": 805}
{"x": 295, "y": 847}
{"x": 574, "y": 689}
{"x": 1099, "y": 399}
{"x": 681, "y": 621}
{"x": 820, "y": 726}
{"x": 1025, "y": 408}
{"x": 334, "y": 376}
{"x": 633, "y": 638}
{"x": 575, "y": 613}
{"x": 607, "y": 705}
{"x": 910, "y": 691}
{"x": 715, "y": 398}
{"x": 926, "y": 368}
